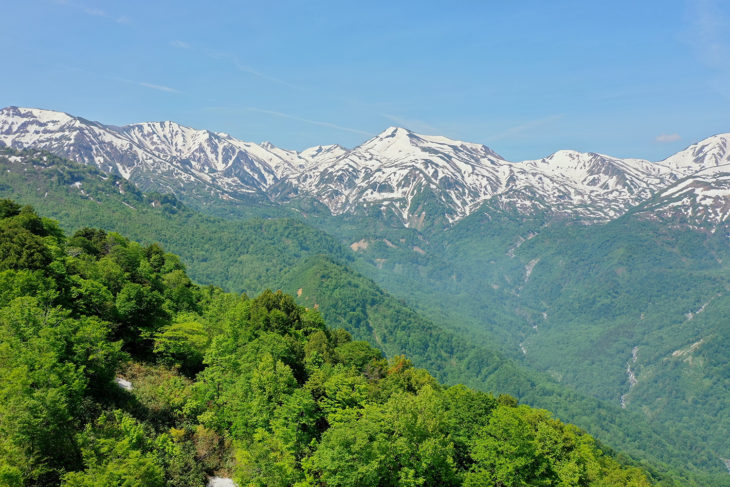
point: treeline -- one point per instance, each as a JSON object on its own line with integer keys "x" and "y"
{"x": 259, "y": 389}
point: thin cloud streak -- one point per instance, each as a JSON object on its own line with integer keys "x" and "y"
{"x": 235, "y": 61}
{"x": 164, "y": 88}
{"x": 144, "y": 84}
{"x": 524, "y": 127}
{"x": 668, "y": 137}
{"x": 306, "y": 120}
{"x": 95, "y": 12}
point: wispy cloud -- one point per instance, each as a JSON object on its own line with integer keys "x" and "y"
{"x": 95, "y": 12}
{"x": 668, "y": 137}
{"x": 524, "y": 127}
{"x": 288, "y": 116}
{"x": 164, "y": 88}
{"x": 180, "y": 44}
{"x": 234, "y": 61}
{"x": 309, "y": 121}
{"x": 145, "y": 84}
{"x": 254, "y": 72}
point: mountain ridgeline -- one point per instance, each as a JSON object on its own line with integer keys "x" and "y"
{"x": 117, "y": 370}
{"x": 593, "y": 286}
{"x": 418, "y": 180}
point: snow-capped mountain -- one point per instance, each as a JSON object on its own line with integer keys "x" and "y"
{"x": 594, "y": 186}
{"x": 322, "y": 154}
{"x": 159, "y": 155}
{"x": 699, "y": 191}
{"x": 711, "y": 152}
{"x": 414, "y": 177}
{"x": 701, "y": 199}
{"x": 391, "y": 169}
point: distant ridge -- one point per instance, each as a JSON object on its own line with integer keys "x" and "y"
{"x": 419, "y": 179}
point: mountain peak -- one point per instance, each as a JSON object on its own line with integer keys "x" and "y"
{"x": 18, "y": 114}
{"x": 710, "y": 152}
{"x": 333, "y": 150}
{"x": 566, "y": 153}
{"x": 394, "y": 131}
{"x": 167, "y": 126}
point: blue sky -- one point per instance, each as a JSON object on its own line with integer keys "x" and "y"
{"x": 641, "y": 79}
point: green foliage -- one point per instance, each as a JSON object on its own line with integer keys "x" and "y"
{"x": 21, "y": 249}
{"x": 183, "y": 342}
{"x": 8, "y": 208}
{"x": 50, "y": 363}
{"x": 465, "y": 282}
{"x": 220, "y": 383}
{"x": 117, "y": 452}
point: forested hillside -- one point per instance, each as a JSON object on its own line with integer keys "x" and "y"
{"x": 286, "y": 254}
{"x": 632, "y": 312}
{"x": 116, "y": 369}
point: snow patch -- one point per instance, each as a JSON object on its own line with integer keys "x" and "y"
{"x": 221, "y": 482}
{"x": 123, "y": 383}
{"x": 690, "y": 315}
{"x": 682, "y": 352}
{"x": 529, "y": 267}
{"x": 630, "y": 375}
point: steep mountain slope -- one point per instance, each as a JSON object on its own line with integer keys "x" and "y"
{"x": 710, "y": 152}
{"x": 632, "y": 311}
{"x": 700, "y": 197}
{"x": 282, "y": 253}
{"x": 252, "y": 165}
{"x": 593, "y": 186}
{"x": 162, "y": 156}
{"x": 700, "y": 201}
{"x": 391, "y": 169}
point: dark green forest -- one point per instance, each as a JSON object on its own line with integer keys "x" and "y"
{"x": 217, "y": 383}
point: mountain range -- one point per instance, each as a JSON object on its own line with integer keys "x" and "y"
{"x": 417, "y": 179}
{"x": 599, "y": 278}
